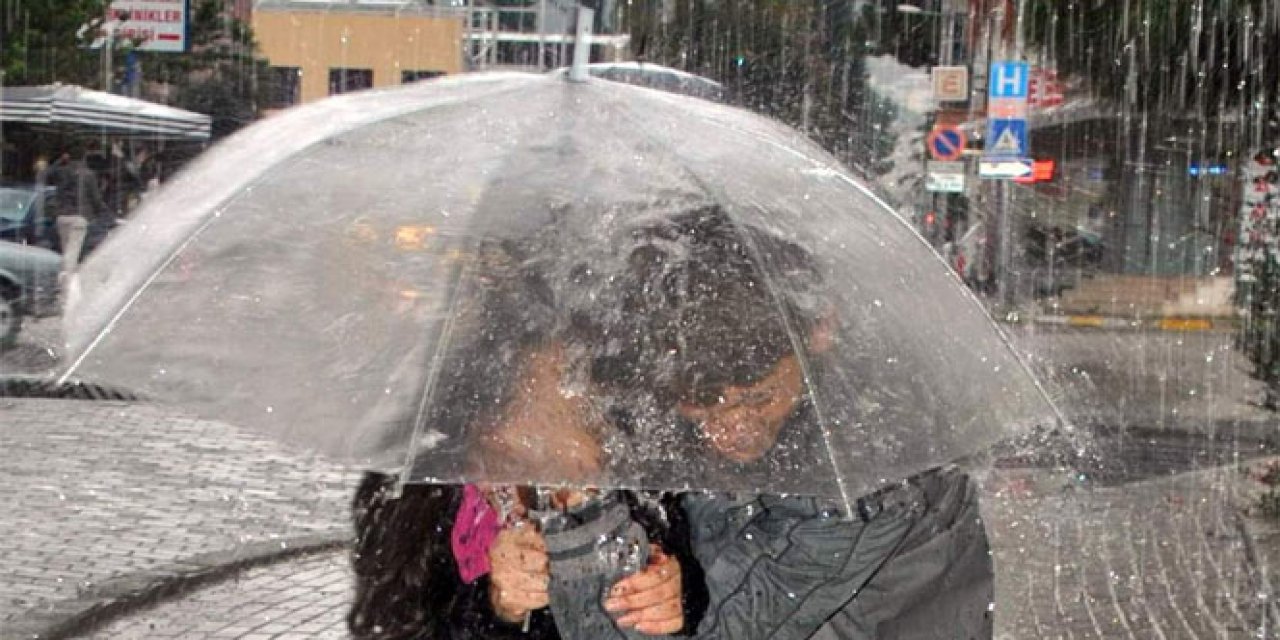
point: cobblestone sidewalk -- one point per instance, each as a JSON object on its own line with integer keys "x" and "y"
{"x": 1157, "y": 559}
{"x": 97, "y": 492}
{"x": 305, "y": 598}
{"x": 1162, "y": 558}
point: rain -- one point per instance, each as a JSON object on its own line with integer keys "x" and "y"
{"x": 625, "y": 319}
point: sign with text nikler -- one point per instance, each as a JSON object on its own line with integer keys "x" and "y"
{"x": 156, "y": 25}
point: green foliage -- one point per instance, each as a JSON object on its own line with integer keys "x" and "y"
{"x": 221, "y": 76}
{"x": 38, "y": 41}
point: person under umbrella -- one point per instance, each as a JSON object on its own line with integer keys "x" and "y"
{"x": 912, "y": 561}
{"x": 449, "y": 561}
{"x": 695, "y": 346}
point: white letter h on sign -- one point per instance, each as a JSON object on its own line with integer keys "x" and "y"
{"x": 1008, "y": 80}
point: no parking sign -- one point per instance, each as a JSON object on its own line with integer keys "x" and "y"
{"x": 945, "y": 143}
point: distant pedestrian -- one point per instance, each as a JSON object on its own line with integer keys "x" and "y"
{"x": 80, "y": 202}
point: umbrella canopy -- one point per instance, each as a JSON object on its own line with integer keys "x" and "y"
{"x": 657, "y": 76}
{"x": 73, "y": 107}
{"x": 383, "y": 273}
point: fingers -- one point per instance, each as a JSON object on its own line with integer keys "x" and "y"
{"x": 522, "y": 581}
{"x": 659, "y": 579}
{"x": 650, "y": 600}
{"x": 661, "y": 610}
{"x": 512, "y": 605}
{"x": 519, "y": 549}
{"x": 521, "y": 536}
{"x": 516, "y": 558}
{"x": 519, "y": 600}
{"x": 657, "y": 627}
{"x": 646, "y": 589}
{"x": 520, "y": 575}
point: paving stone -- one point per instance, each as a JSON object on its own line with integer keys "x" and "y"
{"x": 1157, "y": 559}
{"x": 129, "y": 488}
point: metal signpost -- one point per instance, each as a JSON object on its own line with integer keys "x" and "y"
{"x": 1006, "y": 153}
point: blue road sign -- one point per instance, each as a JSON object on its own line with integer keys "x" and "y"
{"x": 945, "y": 143}
{"x": 1006, "y": 139}
{"x": 1008, "y": 80}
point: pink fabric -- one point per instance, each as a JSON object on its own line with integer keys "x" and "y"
{"x": 474, "y": 528}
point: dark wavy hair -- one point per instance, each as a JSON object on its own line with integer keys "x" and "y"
{"x": 705, "y": 303}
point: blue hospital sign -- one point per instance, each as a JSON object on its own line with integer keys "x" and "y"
{"x": 1007, "y": 112}
{"x": 1009, "y": 80}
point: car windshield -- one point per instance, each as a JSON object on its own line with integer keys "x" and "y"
{"x": 14, "y": 204}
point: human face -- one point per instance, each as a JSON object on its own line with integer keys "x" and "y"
{"x": 744, "y": 422}
{"x": 543, "y": 430}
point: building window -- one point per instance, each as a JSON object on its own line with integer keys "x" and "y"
{"x": 346, "y": 80}
{"x": 413, "y": 76}
{"x": 286, "y": 87}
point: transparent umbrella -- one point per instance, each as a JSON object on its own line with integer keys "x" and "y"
{"x": 378, "y": 275}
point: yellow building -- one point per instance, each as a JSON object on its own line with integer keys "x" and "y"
{"x": 321, "y": 49}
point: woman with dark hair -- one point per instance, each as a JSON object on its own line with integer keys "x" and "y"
{"x": 454, "y": 562}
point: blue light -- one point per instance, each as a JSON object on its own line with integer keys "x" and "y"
{"x": 1196, "y": 169}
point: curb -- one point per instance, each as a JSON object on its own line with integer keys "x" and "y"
{"x": 1167, "y": 323}
{"x": 124, "y": 594}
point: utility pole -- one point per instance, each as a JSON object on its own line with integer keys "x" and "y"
{"x": 1004, "y": 195}
{"x": 542, "y": 35}
{"x": 109, "y": 27}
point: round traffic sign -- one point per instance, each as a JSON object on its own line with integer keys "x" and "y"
{"x": 945, "y": 143}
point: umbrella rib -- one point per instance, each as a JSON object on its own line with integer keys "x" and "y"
{"x": 796, "y": 345}
{"x": 115, "y": 319}
{"x": 236, "y": 191}
{"x": 973, "y": 299}
{"x": 433, "y": 372}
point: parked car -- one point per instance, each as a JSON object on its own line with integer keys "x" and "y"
{"x": 28, "y": 286}
{"x": 21, "y": 222}
{"x": 20, "y": 219}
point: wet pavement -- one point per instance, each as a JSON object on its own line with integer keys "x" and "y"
{"x": 1160, "y": 558}
{"x": 1146, "y": 536}
{"x": 1156, "y": 559}
{"x": 304, "y": 598}
{"x": 103, "y": 499}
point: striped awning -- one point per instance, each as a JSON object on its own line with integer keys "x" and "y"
{"x": 73, "y": 107}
